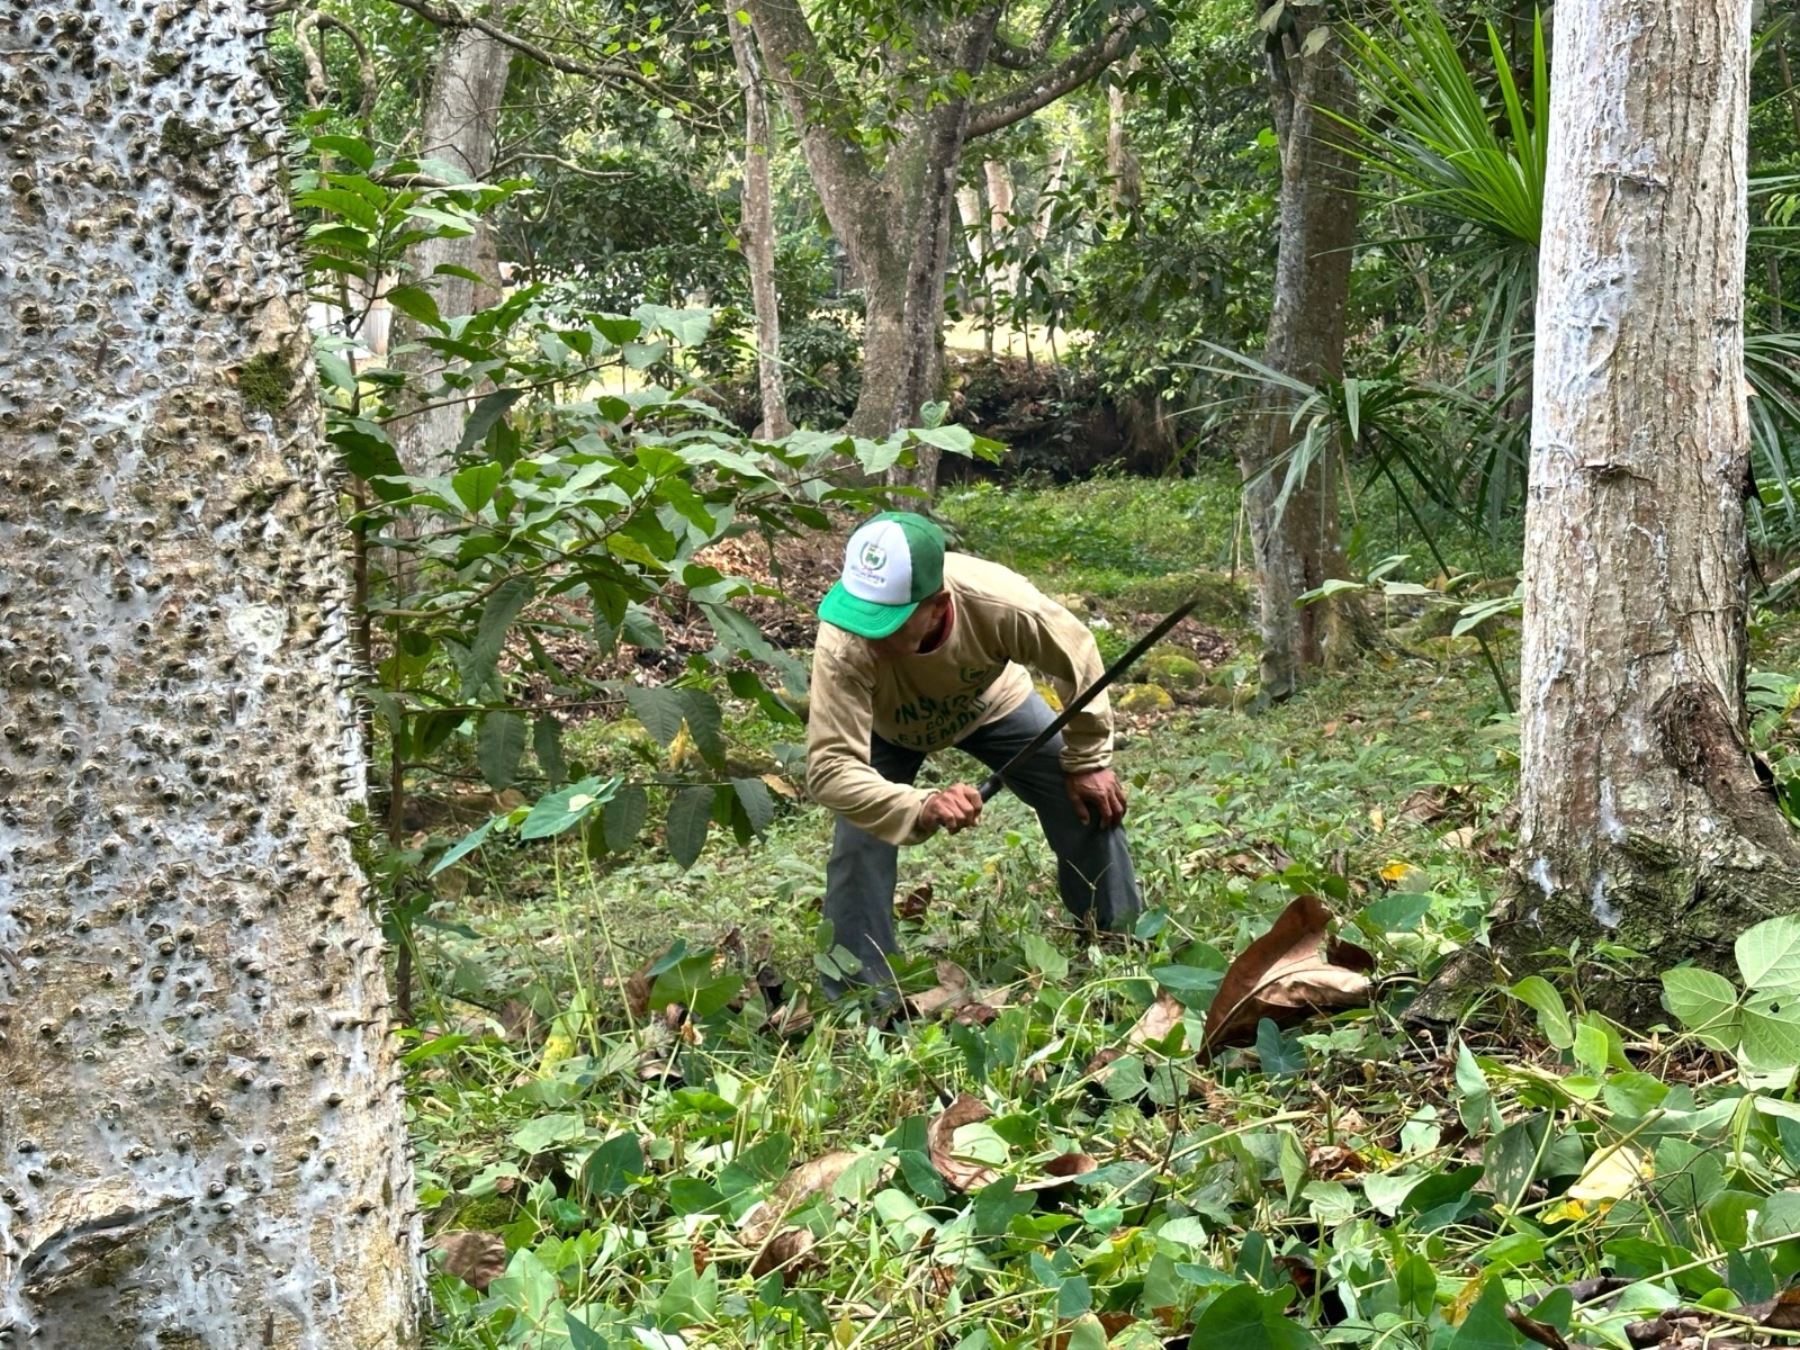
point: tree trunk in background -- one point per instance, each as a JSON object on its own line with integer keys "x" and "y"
{"x": 1002, "y": 230}
{"x": 759, "y": 233}
{"x": 461, "y": 118}
{"x": 895, "y": 220}
{"x": 1121, "y": 161}
{"x": 202, "y": 1136}
{"x": 1297, "y": 549}
{"x": 1642, "y": 818}
{"x": 1144, "y": 421}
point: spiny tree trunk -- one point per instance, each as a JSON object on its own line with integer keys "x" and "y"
{"x": 202, "y": 1140}
{"x": 1642, "y": 819}
{"x": 1297, "y": 547}
{"x": 758, "y": 222}
{"x": 461, "y": 117}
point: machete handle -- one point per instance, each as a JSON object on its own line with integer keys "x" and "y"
{"x": 992, "y": 787}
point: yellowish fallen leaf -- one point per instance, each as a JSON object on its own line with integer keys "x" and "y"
{"x": 1397, "y": 871}
{"x": 1378, "y": 819}
{"x": 1459, "y": 1306}
{"x": 1613, "y": 1173}
{"x": 682, "y": 750}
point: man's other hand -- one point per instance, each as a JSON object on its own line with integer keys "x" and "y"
{"x": 1098, "y": 797}
{"x": 953, "y": 809}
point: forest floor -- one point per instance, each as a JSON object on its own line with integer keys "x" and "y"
{"x": 765, "y": 1171}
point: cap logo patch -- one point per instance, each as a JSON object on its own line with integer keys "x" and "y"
{"x": 874, "y": 556}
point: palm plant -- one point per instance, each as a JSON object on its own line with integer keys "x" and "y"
{"x": 1481, "y": 172}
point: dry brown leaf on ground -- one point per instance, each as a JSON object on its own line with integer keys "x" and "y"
{"x": 1060, "y": 1173}
{"x": 916, "y": 903}
{"x": 940, "y": 1140}
{"x": 1158, "y": 1020}
{"x": 475, "y": 1258}
{"x": 952, "y": 990}
{"x": 787, "y": 1252}
{"x": 1291, "y": 971}
{"x": 799, "y": 1185}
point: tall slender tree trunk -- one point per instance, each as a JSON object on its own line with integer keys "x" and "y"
{"x": 202, "y": 1140}
{"x": 1297, "y": 545}
{"x": 758, "y": 227}
{"x": 460, "y": 123}
{"x": 1642, "y": 818}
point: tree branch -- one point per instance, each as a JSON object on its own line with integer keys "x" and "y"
{"x": 1085, "y": 65}
{"x": 816, "y": 102}
{"x": 448, "y": 16}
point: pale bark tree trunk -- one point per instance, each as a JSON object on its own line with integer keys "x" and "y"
{"x": 1003, "y": 230}
{"x": 975, "y": 238}
{"x": 1121, "y": 161}
{"x": 758, "y": 224}
{"x": 461, "y": 118}
{"x": 1297, "y": 548}
{"x": 202, "y": 1140}
{"x": 1642, "y": 819}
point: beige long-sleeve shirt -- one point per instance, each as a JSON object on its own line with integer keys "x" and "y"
{"x": 1003, "y": 628}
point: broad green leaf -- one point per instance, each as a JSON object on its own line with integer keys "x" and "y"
{"x": 497, "y": 615}
{"x": 1771, "y": 1024}
{"x": 546, "y": 744}
{"x": 544, "y": 1133}
{"x": 475, "y": 485}
{"x": 1042, "y": 956}
{"x": 488, "y": 412}
{"x": 1387, "y": 1191}
{"x": 661, "y": 710}
{"x": 499, "y": 745}
{"x": 625, "y": 817}
{"x": 1768, "y": 955}
{"x": 1511, "y": 1158}
{"x": 1279, "y": 1056}
{"x": 359, "y": 153}
{"x": 1538, "y": 994}
{"x": 690, "y": 816}
{"x": 1705, "y": 1003}
{"x": 466, "y": 845}
{"x": 563, "y": 809}
{"x": 417, "y": 304}
{"x": 1475, "y": 1099}
{"x": 1486, "y": 1327}
{"x": 337, "y": 371}
{"x": 692, "y": 1296}
{"x": 1087, "y": 1332}
{"x": 582, "y": 1336}
{"x": 1398, "y": 913}
{"x": 1245, "y": 1318}
{"x": 1591, "y": 1049}
{"x": 1194, "y": 986}
{"x": 757, "y": 802}
{"x": 611, "y": 1168}
{"x": 1415, "y": 1285}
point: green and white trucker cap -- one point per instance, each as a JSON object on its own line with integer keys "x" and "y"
{"x": 892, "y": 562}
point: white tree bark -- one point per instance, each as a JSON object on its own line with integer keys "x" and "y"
{"x": 1641, "y": 817}
{"x": 202, "y": 1140}
{"x": 1002, "y": 229}
{"x": 758, "y": 228}
{"x": 461, "y": 118}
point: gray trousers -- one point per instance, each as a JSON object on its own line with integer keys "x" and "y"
{"x": 1093, "y": 866}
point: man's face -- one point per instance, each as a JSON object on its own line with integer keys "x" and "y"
{"x": 906, "y": 640}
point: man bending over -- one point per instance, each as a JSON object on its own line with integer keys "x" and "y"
{"x": 920, "y": 650}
